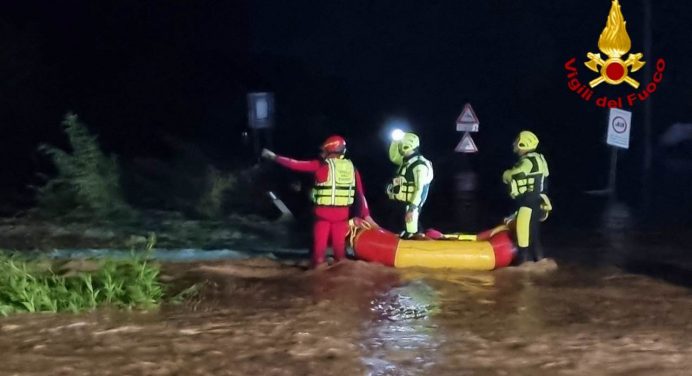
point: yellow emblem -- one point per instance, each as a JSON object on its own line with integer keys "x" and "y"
{"x": 614, "y": 42}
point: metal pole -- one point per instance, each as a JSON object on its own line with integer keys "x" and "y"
{"x": 270, "y": 138}
{"x": 612, "y": 184}
{"x": 256, "y": 144}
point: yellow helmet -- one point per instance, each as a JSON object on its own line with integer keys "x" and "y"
{"x": 409, "y": 142}
{"x": 526, "y": 141}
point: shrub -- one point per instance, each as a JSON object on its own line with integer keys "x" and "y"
{"x": 34, "y": 286}
{"x": 87, "y": 183}
{"x": 211, "y": 203}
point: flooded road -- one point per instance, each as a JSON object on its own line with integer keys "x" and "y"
{"x": 263, "y": 317}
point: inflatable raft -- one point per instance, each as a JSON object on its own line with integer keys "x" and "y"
{"x": 488, "y": 250}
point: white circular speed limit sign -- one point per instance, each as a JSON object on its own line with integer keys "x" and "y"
{"x": 619, "y": 127}
{"x": 619, "y": 124}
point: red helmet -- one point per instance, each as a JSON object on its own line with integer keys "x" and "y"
{"x": 334, "y": 145}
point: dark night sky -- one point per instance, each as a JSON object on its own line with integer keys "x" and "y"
{"x": 136, "y": 71}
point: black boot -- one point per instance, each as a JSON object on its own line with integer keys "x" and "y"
{"x": 537, "y": 253}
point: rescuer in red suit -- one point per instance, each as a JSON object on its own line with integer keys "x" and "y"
{"x": 337, "y": 185}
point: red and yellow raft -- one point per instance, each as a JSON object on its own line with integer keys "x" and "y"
{"x": 488, "y": 250}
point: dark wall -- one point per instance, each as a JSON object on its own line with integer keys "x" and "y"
{"x": 147, "y": 76}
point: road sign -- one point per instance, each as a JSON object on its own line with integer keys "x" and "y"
{"x": 467, "y": 120}
{"x": 619, "y": 125}
{"x": 260, "y": 110}
{"x": 466, "y": 145}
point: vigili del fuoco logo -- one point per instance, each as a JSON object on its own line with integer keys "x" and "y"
{"x": 614, "y": 69}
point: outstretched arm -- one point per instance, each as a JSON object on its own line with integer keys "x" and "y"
{"x": 292, "y": 164}
{"x": 297, "y": 165}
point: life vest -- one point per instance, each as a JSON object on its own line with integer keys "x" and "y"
{"x": 534, "y": 181}
{"x": 403, "y": 185}
{"x": 340, "y": 186}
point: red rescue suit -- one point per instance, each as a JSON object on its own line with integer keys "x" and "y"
{"x": 330, "y": 221}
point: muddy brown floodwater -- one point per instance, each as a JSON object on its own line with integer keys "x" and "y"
{"x": 261, "y": 317}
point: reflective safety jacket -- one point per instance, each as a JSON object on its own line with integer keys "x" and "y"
{"x": 323, "y": 172}
{"x": 340, "y": 187}
{"x": 529, "y": 175}
{"x": 412, "y": 176}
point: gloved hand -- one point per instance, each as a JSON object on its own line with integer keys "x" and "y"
{"x": 268, "y": 154}
{"x": 546, "y": 207}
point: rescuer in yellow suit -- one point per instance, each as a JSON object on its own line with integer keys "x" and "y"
{"x": 411, "y": 184}
{"x": 527, "y": 183}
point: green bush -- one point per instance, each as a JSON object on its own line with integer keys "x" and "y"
{"x": 34, "y": 285}
{"x": 87, "y": 183}
{"x": 43, "y": 286}
{"x": 218, "y": 184}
